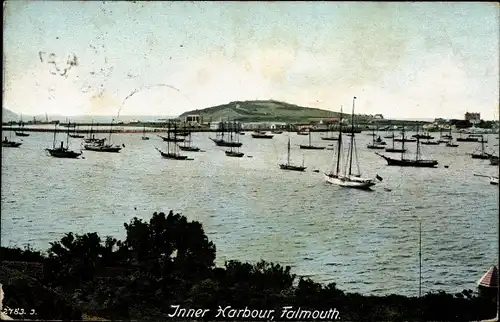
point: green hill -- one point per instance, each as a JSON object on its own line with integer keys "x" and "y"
{"x": 269, "y": 110}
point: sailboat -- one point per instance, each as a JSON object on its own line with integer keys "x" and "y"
{"x": 144, "y": 136}
{"x": 8, "y": 143}
{"x": 234, "y": 151}
{"x": 101, "y": 147}
{"x": 428, "y": 139}
{"x": 92, "y": 138}
{"x": 348, "y": 179}
{"x": 310, "y": 146}
{"x": 186, "y": 146}
{"x": 261, "y": 135}
{"x": 404, "y": 162}
{"x": 21, "y": 131}
{"x": 377, "y": 144}
{"x": 288, "y": 165}
{"x": 61, "y": 151}
{"x": 482, "y": 155}
{"x": 74, "y": 134}
{"x": 220, "y": 140}
{"x": 394, "y": 149}
{"x": 331, "y": 138}
{"x": 424, "y": 136}
{"x": 174, "y": 155}
{"x": 171, "y": 136}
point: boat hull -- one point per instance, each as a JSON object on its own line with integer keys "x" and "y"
{"x": 405, "y": 140}
{"x": 451, "y": 145}
{"x": 494, "y": 181}
{"x": 290, "y": 167}
{"x": 467, "y": 140}
{"x": 494, "y": 161}
{"x": 312, "y": 147}
{"x": 262, "y": 136}
{"x": 330, "y": 138}
{"x": 21, "y": 134}
{"x": 429, "y": 143}
{"x": 375, "y": 147}
{"x": 97, "y": 141}
{"x": 228, "y": 144}
{"x": 11, "y": 144}
{"x": 350, "y": 182}
{"x": 58, "y": 153}
{"x": 189, "y": 148}
{"x": 76, "y": 136}
{"x": 480, "y": 156}
{"x": 145, "y": 138}
{"x": 234, "y": 154}
{"x": 171, "y": 139}
{"x": 391, "y": 150}
{"x": 409, "y": 163}
{"x": 101, "y": 148}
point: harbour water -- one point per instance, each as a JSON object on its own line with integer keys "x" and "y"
{"x": 363, "y": 241}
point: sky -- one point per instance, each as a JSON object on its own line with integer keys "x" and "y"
{"x": 402, "y": 60}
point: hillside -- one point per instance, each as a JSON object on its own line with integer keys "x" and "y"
{"x": 262, "y": 111}
{"x": 8, "y": 115}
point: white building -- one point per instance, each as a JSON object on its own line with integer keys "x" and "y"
{"x": 194, "y": 119}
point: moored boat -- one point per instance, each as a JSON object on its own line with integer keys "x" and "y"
{"x": 348, "y": 179}
{"x": 288, "y": 165}
{"x": 406, "y": 162}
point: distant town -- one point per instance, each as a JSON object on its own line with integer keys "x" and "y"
{"x": 471, "y": 122}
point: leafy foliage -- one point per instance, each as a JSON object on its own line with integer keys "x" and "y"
{"x": 170, "y": 261}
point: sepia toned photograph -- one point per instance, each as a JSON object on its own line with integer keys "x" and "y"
{"x": 250, "y": 161}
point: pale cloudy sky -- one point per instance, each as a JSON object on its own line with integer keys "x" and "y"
{"x": 412, "y": 60}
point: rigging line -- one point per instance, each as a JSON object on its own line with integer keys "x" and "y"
{"x": 356, "y": 155}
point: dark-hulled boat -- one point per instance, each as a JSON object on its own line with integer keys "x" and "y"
{"x": 220, "y": 138}
{"x": 482, "y": 154}
{"x": 261, "y": 135}
{"x": 99, "y": 146}
{"x": 234, "y": 152}
{"x": 405, "y": 162}
{"x": 174, "y": 154}
{"x": 288, "y": 165}
{"x": 377, "y": 144}
{"x": 9, "y": 143}
{"x": 186, "y": 144}
{"x": 6, "y": 143}
{"x": 61, "y": 151}
{"x": 393, "y": 149}
{"x": 310, "y": 146}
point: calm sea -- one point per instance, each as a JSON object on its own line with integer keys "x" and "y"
{"x": 363, "y": 241}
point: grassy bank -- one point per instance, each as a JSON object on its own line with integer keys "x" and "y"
{"x": 170, "y": 261}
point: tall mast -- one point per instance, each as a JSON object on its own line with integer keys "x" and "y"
{"x": 393, "y": 137}
{"x": 339, "y": 147}
{"x": 403, "y": 142}
{"x": 110, "y": 130}
{"x": 54, "y": 142}
{"x": 420, "y": 260}
{"x": 309, "y": 136}
{"x": 418, "y": 144}
{"x": 288, "y": 149}
{"x": 352, "y": 137}
{"x": 168, "y": 136}
{"x": 482, "y": 145}
{"x": 67, "y": 135}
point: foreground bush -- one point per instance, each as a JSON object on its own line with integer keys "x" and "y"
{"x": 170, "y": 261}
